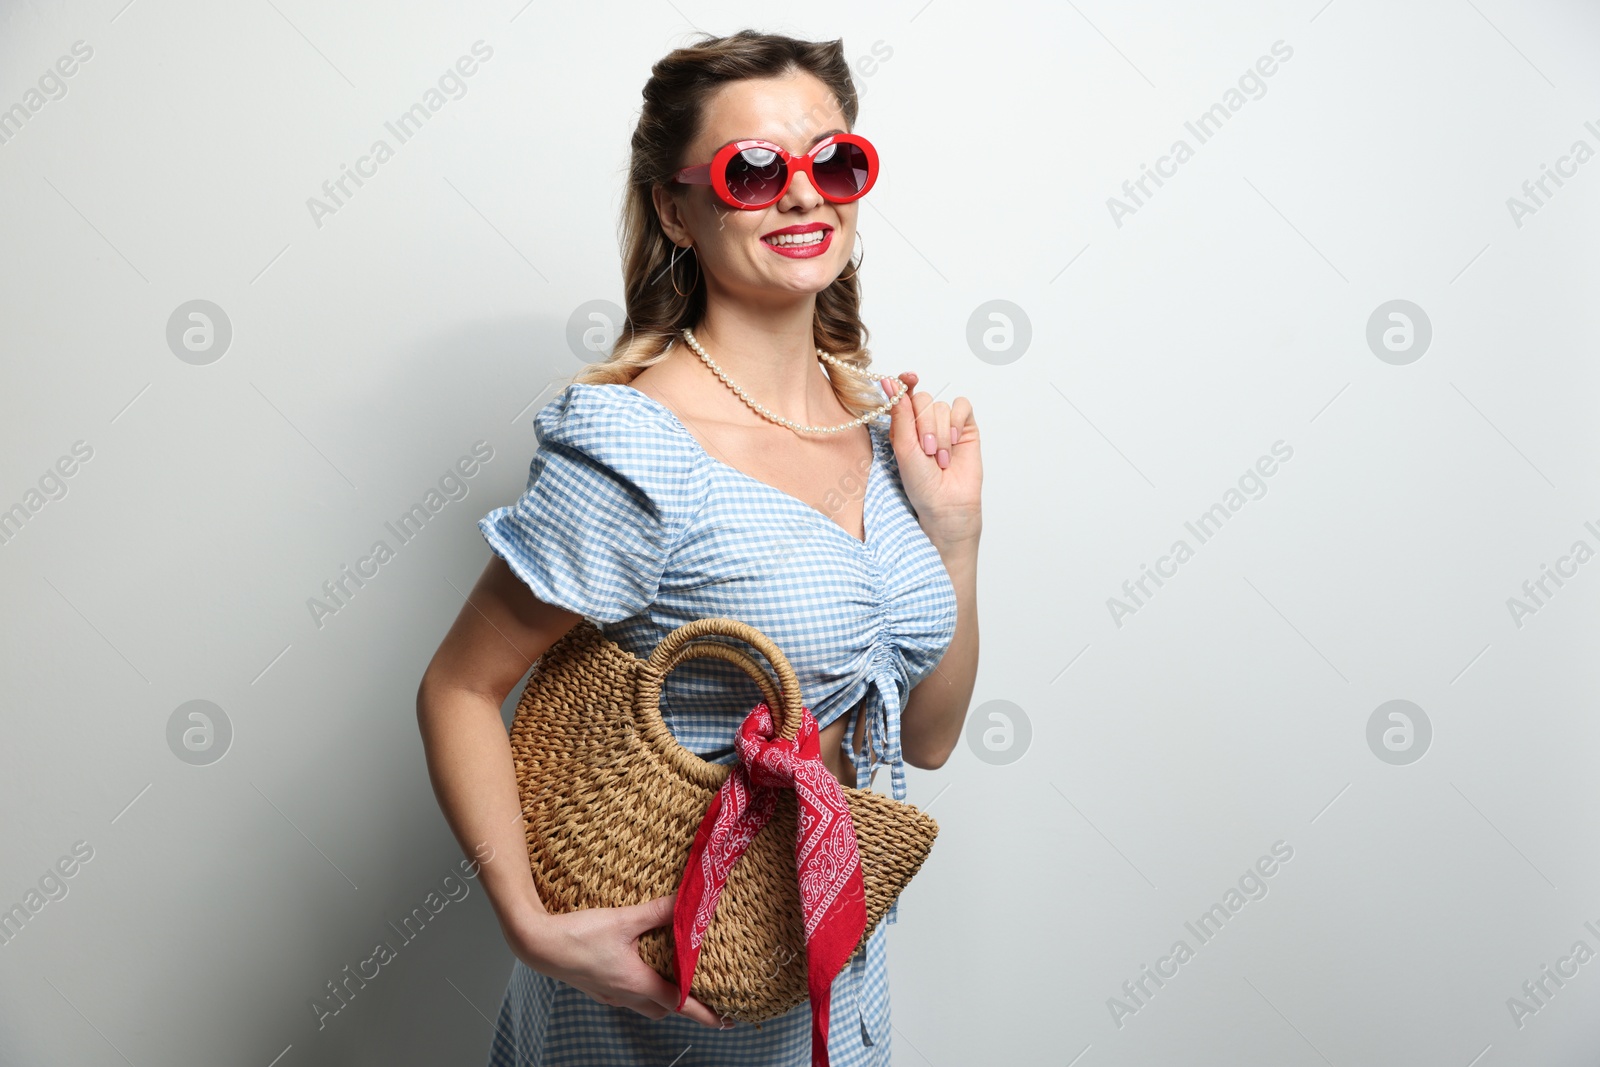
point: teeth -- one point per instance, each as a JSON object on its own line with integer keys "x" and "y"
{"x": 814, "y": 237}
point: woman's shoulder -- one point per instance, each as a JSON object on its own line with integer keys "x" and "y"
{"x": 617, "y": 434}
{"x": 614, "y": 418}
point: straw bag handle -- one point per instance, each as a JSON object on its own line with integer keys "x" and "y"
{"x": 677, "y": 647}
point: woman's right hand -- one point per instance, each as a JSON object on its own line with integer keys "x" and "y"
{"x": 596, "y": 950}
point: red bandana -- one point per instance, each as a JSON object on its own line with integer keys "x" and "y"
{"x": 832, "y": 895}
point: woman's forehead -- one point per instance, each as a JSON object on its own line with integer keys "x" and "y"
{"x": 788, "y": 111}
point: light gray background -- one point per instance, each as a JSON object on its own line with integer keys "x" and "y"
{"x": 1166, "y": 754}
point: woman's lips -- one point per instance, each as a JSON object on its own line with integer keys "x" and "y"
{"x": 803, "y": 251}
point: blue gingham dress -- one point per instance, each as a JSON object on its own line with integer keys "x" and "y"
{"x": 630, "y": 523}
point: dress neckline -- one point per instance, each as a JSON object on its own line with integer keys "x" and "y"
{"x": 677, "y": 424}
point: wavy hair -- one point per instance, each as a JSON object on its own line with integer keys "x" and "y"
{"x": 674, "y": 102}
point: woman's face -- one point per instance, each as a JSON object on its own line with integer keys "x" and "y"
{"x": 795, "y": 112}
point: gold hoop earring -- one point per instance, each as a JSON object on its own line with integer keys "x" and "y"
{"x": 859, "y": 261}
{"x": 673, "y": 271}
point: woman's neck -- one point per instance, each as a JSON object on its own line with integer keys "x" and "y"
{"x": 770, "y": 355}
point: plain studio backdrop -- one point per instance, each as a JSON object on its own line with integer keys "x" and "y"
{"x": 1279, "y": 323}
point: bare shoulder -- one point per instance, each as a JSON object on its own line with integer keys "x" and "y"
{"x": 650, "y": 382}
{"x": 680, "y": 389}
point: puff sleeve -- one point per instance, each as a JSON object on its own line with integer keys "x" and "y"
{"x": 610, "y": 491}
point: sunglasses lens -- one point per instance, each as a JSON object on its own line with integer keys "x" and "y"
{"x": 756, "y": 175}
{"x": 841, "y": 170}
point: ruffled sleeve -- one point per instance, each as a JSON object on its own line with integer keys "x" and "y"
{"x": 610, "y": 491}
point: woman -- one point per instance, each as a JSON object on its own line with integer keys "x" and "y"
{"x": 661, "y": 493}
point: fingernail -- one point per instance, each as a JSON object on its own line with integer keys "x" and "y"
{"x": 944, "y": 457}
{"x": 888, "y": 390}
{"x": 955, "y": 435}
{"x": 929, "y": 443}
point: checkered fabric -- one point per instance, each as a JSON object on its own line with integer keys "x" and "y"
{"x": 629, "y": 522}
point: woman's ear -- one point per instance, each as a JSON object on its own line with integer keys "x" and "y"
{"x": 668, "y": 213}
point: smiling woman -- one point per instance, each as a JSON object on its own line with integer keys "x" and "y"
{"x": 728, "y": 459}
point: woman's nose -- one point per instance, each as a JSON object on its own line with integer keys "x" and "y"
{"x": 801, "y": 193}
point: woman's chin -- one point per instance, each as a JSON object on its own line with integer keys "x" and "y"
{"x": 810, "y": 278}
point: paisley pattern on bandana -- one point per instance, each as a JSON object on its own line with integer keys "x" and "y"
{"x": 827, "y": 861}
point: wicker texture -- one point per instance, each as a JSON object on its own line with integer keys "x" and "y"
{"x": 611, "y": 803}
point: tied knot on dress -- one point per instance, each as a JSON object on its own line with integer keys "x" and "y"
{"x": 827, "y": 860}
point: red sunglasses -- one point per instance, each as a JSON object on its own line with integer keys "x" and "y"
{"x": 755, "y": 174}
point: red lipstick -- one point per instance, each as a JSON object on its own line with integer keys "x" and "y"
{"x": 801, "y": 251}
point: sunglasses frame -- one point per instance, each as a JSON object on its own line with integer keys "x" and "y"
{"x": 715, "y": 173}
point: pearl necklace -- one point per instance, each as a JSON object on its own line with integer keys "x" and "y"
{"x": 688, "y": 336}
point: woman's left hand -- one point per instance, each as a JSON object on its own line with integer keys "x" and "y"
{"x": 941, "y": 466}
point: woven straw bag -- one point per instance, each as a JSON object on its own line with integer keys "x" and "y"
{"x": 611, "y": 803}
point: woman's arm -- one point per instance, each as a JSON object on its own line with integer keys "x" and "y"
{"x": 931, "y": 721}
{"x": 499, "y": 633}
{"x": 936, "y": 448}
